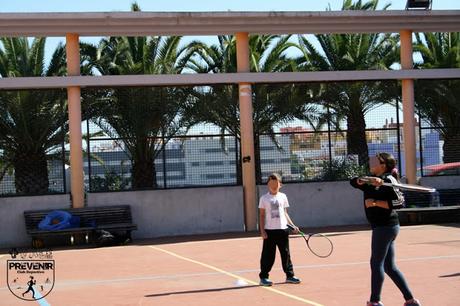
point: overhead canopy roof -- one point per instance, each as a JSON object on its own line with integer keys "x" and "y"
{"x": 213, "y": 23}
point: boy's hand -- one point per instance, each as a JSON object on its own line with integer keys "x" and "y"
{"x": 295, "y": 230}
{"x": 263, "y": 234}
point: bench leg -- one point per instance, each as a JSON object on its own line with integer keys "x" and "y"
{"x": 126, "y": 238}
{"x": 37, "y": 243}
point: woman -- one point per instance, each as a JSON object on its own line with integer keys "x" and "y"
{"x": 380, "y": 202}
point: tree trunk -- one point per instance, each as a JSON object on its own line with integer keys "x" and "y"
{"x": 144, "y": 173}
{"x": 30, "y": 172}
{"x": 451, "y": 147}
{"x": 356, "y": 136}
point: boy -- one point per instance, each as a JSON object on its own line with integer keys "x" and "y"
{"x": 273, "y": 220}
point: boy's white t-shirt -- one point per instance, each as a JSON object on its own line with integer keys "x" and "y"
{"x": 274, "y": 205}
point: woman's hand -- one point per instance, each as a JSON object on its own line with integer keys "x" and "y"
{"x": 376, "y": 181}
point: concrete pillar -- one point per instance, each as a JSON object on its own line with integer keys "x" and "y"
{"x": 408, "y": 108}
{"x": 74, "y": 106}
{"x": 247, "y": 135}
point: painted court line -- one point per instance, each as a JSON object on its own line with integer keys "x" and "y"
{"x": 41, "y": 300}
{"x": 187, "y": 275}
{"x": 237, "y": 277}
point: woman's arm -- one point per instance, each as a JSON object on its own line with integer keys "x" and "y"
{"x": 357, "y": 183}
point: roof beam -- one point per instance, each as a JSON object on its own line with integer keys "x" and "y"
{"x": 224, "y": 78}
{"x": 215, "y": 23}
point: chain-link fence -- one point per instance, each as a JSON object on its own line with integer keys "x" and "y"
{"x": 186, "y": 161}
{"x": 438, "y": 106}
{"x": 161, "y": 137}
{"x": 33, "y": 130}
{"x": 326, "y": 146}
{"x": 176, "y": 137}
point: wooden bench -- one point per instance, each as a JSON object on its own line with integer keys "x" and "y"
{"x": 420, "y": 199}
{"x": 92, "y": 219}
{"x": 449, "y": 197}
{"x": 442, "y": 197}
{"x": 429, "y": 215}
{"x": 442, "y": 206}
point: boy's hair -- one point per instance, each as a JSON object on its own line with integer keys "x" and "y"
{"x": 274, "y": 176}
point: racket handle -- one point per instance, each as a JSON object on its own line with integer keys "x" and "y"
{"x": 292, "y": 228}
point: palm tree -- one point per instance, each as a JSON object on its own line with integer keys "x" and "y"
{"x": 438, "y": 101}
{"x": 351, "y": 52}
{"x": 33, "y": 123}
{"x": 144, "y": 118}
{"x": 218, "y": 105}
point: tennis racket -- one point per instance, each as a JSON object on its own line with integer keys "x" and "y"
{"x": 318, "y": 244}
{"x": 410, "y": 187}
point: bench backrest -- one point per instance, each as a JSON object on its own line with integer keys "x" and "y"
{"x": 443, "y": 197}
{"x": 88, "y": 215}
{"x": 449, "y": 197}
{"x": 418, "y": 199}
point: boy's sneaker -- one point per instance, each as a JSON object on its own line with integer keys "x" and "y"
{"x": 374, "y": 304}
{"x": 265, "y": 282}
{"x": 413, "y": 302}
{"x": 293, "y": 280}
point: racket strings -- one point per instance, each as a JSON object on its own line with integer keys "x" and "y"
{"x": 320, "y": 245}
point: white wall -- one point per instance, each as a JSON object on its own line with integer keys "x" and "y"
{"x": 180, "y": 211}
{"x": 156, "y": 212}
{"x": 12, "y": 225}
{"x": 204, "y": 210}
{"x": 323, "y": 203}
